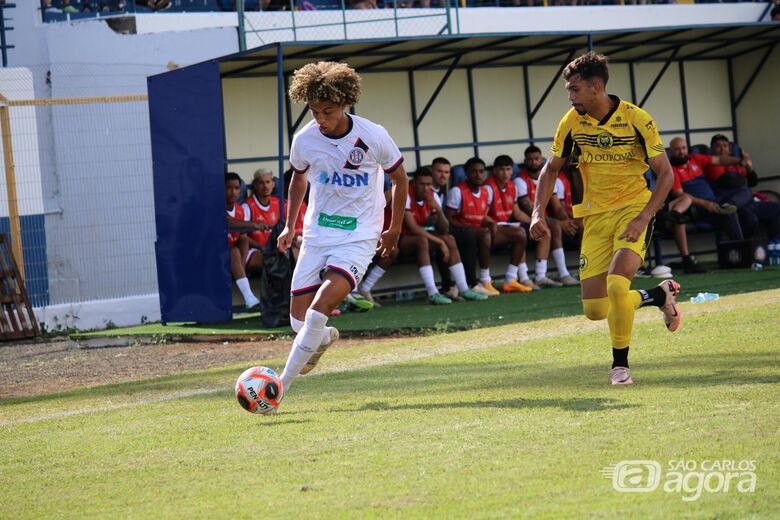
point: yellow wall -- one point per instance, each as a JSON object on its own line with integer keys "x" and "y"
{"x": 758, "y": 116}
{"x": 250, "y": 108}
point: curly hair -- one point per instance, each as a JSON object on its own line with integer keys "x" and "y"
{"x": 326, "y": 81}
{"x": 588, "y": 66}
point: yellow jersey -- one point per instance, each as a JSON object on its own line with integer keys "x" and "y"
{"x": 613, "y": 155}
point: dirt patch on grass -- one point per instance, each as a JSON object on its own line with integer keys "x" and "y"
{"x": 65, "y": 366}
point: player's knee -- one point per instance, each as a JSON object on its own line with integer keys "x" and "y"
{"x": 596, "y": 308}
{"x": 295, "y": 324}
{"x": 617, "y": 286}
{"x": 519, "y": 235}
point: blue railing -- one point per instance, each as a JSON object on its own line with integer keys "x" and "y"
{"x": 4, "y": 27}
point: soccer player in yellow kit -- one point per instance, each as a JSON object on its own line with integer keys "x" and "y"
{"x": 616, "y": 141}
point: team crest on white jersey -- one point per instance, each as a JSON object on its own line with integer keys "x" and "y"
{"x": 356, "y": 156}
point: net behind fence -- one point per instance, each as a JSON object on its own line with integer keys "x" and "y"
{"x": 267, "y": 27}
{"x": 81, "y": 172}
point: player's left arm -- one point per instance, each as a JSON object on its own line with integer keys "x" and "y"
{"x": 665, "y": 179}
{"x": 648, "y": 134}
{"x": 557, "y": 210}
{"x": 389, "y": 238}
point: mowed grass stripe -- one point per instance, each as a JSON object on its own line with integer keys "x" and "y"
{"x": 215, "y": 381}
{"x": 504, "y": 429}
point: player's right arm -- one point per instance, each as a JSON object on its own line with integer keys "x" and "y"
{"x": 298, "y": 185}
{"x": 561, "y": 149}
{"x": 544, "y": 191}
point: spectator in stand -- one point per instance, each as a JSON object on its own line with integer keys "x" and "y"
{"x": 240, "y": 257}
{"x": 526, "y": 183}
{"x": 441, "y": 170}
{"x": 155, "y": 5}
{"x": 675, "y": 216}
{"x": 689, "y": 180}
{"x": 774, "y": 14}
{"x": 67, "y": 8}
{"x": 467, "y": 211}
{"x": 48, "y": 8}
{"x": 440, "y": 174}
{"x": 425, "y": 228}
{"x": 262, "y": 207}
{"x": 732, "y": 185}
{"x": 508, "y": 220}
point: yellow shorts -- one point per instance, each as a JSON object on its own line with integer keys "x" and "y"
{"x": 600, "y": 240}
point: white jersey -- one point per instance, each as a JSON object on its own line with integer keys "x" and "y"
{"x": 440, "y": 196}
{"x": 522, "y": 188}
{"x": 346, "y": 175}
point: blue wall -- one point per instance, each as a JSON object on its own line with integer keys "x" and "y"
{"x": 34, "y": 250}
{"x": 188, "y": 154}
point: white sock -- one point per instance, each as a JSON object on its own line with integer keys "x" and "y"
{"x": 522, "y": 274}
{"x": 306, "y": 343}
{"x": 459, "y": 274}
{"x": 246, "y": 291}
{"x": 296, "y": 324}
{"x": 511, "y": 273}
{"x": 484, "y": 275}
{"x": 560, "y": 262}
{"x": 373, "y": 277}
{"x": 426, "y": 273}
{"x": 541, "y": 269}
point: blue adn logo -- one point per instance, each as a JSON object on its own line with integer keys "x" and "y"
{"x": 348, "y": 180}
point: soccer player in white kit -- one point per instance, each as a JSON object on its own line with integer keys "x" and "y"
{"x": 345, "y": 157}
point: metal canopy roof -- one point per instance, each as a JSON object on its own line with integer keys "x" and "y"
{"x": 500, "y": 50}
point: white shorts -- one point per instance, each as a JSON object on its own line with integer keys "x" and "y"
{"x": 349, "y": 260}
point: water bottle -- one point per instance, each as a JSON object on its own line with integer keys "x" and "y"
{"x": 774, "y": 252}
{"x": 705, "y": 297}
{"x": 699, "y": 298}
{"x": 760, "y": 255}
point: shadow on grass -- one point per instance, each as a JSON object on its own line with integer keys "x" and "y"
{"x": 278, "y": 421}
{"x": 571, "y": 405}
{"x": 737, "y": 368}
{"x": 717, "y": 369}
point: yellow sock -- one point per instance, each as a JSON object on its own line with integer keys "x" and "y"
{"x": 622, "y": 305}
{"x": 636, "y": 298}
{"x": 596, "y": 308}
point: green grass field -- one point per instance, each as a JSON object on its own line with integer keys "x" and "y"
{"x": 510, "y": 421}
{"x": 417, "y": 316}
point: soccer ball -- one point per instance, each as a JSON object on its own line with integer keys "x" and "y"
{"x": 259, "y": 390}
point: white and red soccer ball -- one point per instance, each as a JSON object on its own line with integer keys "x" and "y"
{"x": 259, "y": 390}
